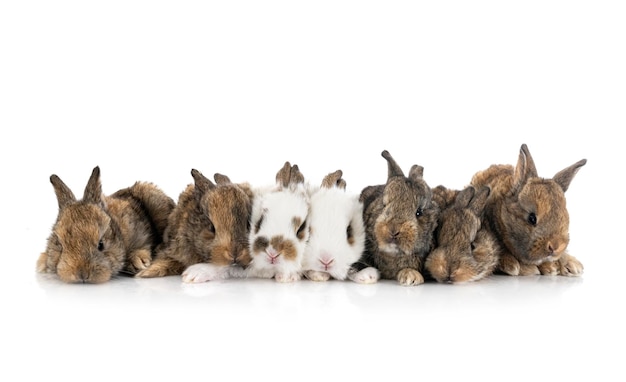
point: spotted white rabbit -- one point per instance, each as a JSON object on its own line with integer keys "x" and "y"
{"x": 279, "y": 227}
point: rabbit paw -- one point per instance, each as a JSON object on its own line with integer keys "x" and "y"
{"x": 368, "y": 275}
{"x": 528, "y": 270}
{"x": 202, "y": 272}
{"x": 509, "y": 265}
{"x": 569, "y": 266}
{"x": 317, "y": 276}
{"x": 549, "y": 268}
{"x": 139, "y": 260}
{"x": 410, "y": 276}
{"x": 287, "y": 277}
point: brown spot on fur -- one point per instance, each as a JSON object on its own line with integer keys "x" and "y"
{"x": 285, "y": 247}
{"x": 260, "y": 244}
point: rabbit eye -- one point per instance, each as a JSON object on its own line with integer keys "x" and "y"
{"x": 532, "y": 218}
{"x": 301, "y": 231}
{"x": 257, "y": 226}
{"x": 350, "y": 234}
{"x": 100, "y": 246}
{"x": 211, "y": 227}
{"x": 472, "y": 246}
{"x": 419, "y": 212}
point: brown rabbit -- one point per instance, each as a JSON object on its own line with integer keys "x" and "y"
{"x": 100, "y": 236}
{"x": 400, "y": 218}
{"x": 465, "y": 251}
{"x": 209, "y": 225}
{"x": 529, "y": 217}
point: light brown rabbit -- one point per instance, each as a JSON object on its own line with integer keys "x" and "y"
{"x": 98, "y": 237}
{"x": 209, "y": 225}
{"x": 465, "y": 251}
{"x": 400, "y": 218}
{"x": 529, "y": 217}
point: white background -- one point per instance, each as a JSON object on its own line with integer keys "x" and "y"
{"x": 148, "y": 90}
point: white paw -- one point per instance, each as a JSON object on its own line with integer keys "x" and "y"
{"x": 287, "y": 277}
{"x": 317, "y": 276}
{"x": 369, "y": 275}
{"x": 199, "y": 273}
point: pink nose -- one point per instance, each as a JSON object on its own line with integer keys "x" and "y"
{"x": 272, "y": 255}
{"x": 326, "y": 262}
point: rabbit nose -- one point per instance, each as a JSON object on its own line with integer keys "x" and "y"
{"x": 272, "y": 255}
{"x": 326, "y": 263}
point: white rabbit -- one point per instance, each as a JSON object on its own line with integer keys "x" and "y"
{"x": 279, "y": 227}
{"x": 337, "y": 238}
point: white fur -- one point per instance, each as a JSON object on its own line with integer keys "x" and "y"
{"x": 368, "y": 275}
{"x": 203, "y": 272}
{"x": 278, "y": 208}
{"x": 328, "y": 250}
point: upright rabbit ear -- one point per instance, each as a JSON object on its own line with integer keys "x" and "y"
{"x": 524, "y": 170}
{"x": 203, "y": 184}
{"x": 464, "y": 197}
{"x": 284, "y": 175}
{"x": 479, "y": 201}
{"x": 221, "y": 179}
{"x": 416, "y": 172}
{"x": 295, "y": 176}
{"x": 334, "y": 180}
{"x": 392, "y": 167}
{"x": 65, "y": 196}
{"x": 93, "y": 190}
{"x": 564, "y": 177}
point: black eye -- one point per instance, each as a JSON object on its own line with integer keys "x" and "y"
{"x": 300, "y": 233}
{"x": 419, "y": 212}
{"x": 211, "y": 227}
{"x": 100, "y": 246}
{"x": 532, "y": 218}
{"x": 257, "y": 226}
{"x": 472, "y": 246}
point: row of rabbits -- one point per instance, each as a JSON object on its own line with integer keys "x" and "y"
{"x": 507, "y": 220}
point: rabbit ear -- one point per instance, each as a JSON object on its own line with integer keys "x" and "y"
{"x": 564, "y": 177}
{"x": 334, "y": 179}
{"x": 295, "y": 176}
{"x": 524, "y": 170}
{"x": 283, "y": 175}
{"x": 93, "y": 190}
{"x": 479, "y": 201}
{"x": 221, "y": 179}
{"x": 65, "y": 196}
{"x": 416, "y": 172}
{"x": 392, "y": 167}
{"x": 203, "y": 184}
{"x": 464, "y": 197}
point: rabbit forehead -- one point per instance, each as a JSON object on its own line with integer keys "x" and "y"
{"x": 406, "y": 193}
{"x": 458, "y": 227}
{"x": 543, "y": 197}
{"x": 227, "y": 206}
{"x": 81, "y": 223}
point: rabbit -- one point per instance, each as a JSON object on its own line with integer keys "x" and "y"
{"x": 400, "y": 218}
{"x": 279, "y": 227}
{"x": 464, "y": 250}
{"x": 208, "y": 230}
{"x": 337, "y": 232}
{"x": 99, "y": 237}
{"x": 529, "y": 217}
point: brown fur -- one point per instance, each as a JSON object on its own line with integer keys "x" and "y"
{"x": 465, "y": 251}
{"x": 397, "y": 240}
{"x": 209, "y": 225}
{"x": 520, "y": 197}
{"x": 98, "y": 237}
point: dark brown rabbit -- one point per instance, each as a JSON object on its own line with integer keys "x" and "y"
{"x": 98, "y": 237}
{"x": 400, "y": 217}
{"x": 529, "y": 217}
{"x": 208, "y": 225}
{"x": 464, "y": 251}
